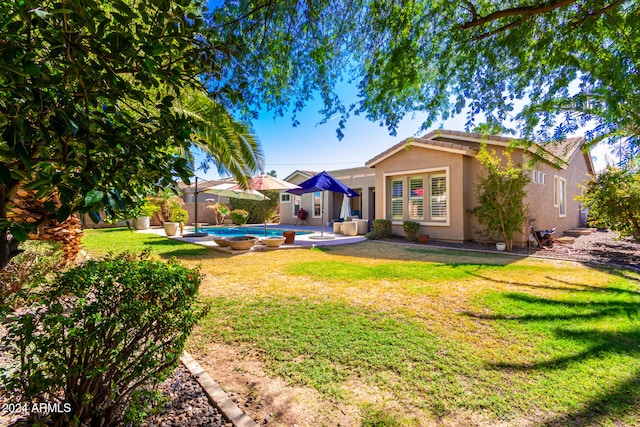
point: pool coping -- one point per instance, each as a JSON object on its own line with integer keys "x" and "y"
{"x": 317, "y": 238}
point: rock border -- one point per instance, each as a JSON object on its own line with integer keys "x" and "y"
{"x": 216, "y": 395}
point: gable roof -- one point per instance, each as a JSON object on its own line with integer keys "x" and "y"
{"x": 467, "y": 143}
{"x": 303, "y": 173}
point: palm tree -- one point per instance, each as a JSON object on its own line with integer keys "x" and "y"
{"x": 227, "y": 143}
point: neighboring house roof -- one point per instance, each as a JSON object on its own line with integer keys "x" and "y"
{"x": 304, "y": 173}
{"x": 203, "y": 184}
{"x": 466, "y": 143}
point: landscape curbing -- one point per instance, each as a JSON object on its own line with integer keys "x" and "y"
{"x": 216, "y": 395}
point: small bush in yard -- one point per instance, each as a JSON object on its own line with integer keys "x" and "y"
{"x": 27, "y": 271}
{"x": 411, "y": 229}
{"x": 99, "y": 333}
{"x": 382, "y": 228}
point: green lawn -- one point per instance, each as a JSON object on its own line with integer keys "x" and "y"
{"x": 448, "y": 337}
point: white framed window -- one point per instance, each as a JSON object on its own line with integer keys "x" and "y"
{"x": 555, "y": 191}
{"x": 297, "y": 204}
{"x": 534, "y": 176}
{"x": 397, "y": 199}
{"x": 285, "y": 198}
{"x": 416, "y": 198}
{"x": 562, "y": 197}
{"x": 317, "y": 204}
{"x": 543, "y": 181}
{"x": 438, "y": 197}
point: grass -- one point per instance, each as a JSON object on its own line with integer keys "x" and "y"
{"x": 448, "y": 336}
{"x": 101, "y": 241}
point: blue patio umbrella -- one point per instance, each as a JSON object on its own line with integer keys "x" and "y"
{"x": 323, "y": 182}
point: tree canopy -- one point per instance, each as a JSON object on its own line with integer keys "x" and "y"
{"x": 93, "y": 108}
{"x": 549, "y": 66}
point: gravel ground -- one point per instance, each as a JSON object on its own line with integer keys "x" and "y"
{"x": 188, "y": 405}
{"x": 600, "y": 247}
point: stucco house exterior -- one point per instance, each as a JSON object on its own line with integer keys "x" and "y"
{"x": 360, "y": 179}
{"x": 432, "y": 180}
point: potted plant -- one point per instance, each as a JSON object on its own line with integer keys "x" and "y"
{"x": 219, "y": 210}
{"x": 501, "y": 246}
{"x": 147, "y": 210}
{"x": 411, "y": 229}
{"x": 239, "y": 216}
{"x": 177, "y": 217}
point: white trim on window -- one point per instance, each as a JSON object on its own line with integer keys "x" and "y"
{"x": 562, "y": 197}
{"x": 296, "y": 205}
{"x": 444, "y": 197}
{"x": 285, "y": 198}
{"x": 555, "y": 191}
{"x": 397, "y": 199}
{"x": 317, "y": 204}
{"x": 438, "y": 197}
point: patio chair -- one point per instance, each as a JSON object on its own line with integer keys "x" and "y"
{"x": 543, "y": 237}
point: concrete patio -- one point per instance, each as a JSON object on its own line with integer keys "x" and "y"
{"x": 319, "y": 237}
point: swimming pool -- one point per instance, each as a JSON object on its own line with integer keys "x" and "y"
{"x": 242, "y": 231}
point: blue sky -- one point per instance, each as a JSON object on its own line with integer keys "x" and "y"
{"x": 315, "y": 147}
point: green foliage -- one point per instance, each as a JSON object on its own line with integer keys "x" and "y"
{"x": 219, "y": 212}
{"x": 96, "y": 105}
{"x": 372, "y": 235}
{"x": 27, "y": 271}
{"x": 99, "y": 332}
{"x": 382, "y": 228}
{"x": 613, "y": 200}
{"x": 259, "y": 210}
{"x": 178, "y": 215}
{"x": 411, "y": 229}
{"x": 442, "y": 57}
{"x": 149, "y": 209}
{"x": 239, "y": 216}
{"x": 500, "y": 196}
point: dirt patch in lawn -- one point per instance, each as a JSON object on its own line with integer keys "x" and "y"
{"x": 242, "y": 375}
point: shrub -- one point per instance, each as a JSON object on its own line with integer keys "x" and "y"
{"x": 149, "y": 209}
{"x": 178, "y": 215}
{"x": 28, "y": 270}
{"x": 613, "y": 199}
{"x": 382, "y": 228}
{"x": 372, "y": 235}
{"x": 411, "y": 229}
{"x": 500, "y": 196}
{"x": 239, "y": 216}
{"x": 259, "y": 210}
{"x": 219, "y": 210}
{"x": 99, "y": 333}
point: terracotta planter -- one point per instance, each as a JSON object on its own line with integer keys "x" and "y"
{"x": 289, "y": 237}
{"x": 423, "y": 238}
{"x": 171, "y": 228}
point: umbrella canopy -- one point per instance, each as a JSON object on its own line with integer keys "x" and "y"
{"x": 227, "y": 190}
{"x": 323, "y": 182}
{"x": 266, "y": 182}
{"x": 345, "y": 210}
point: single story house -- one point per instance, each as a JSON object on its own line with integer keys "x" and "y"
{"x": 432, "y": 180}
{"x": 361, "y": 179}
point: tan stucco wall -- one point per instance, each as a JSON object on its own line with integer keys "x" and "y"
{"x": 416, "y": 161}
{"x": 463, "y": 179}
{"x": 543, "y": 213}
{"x": 361, "y": 179}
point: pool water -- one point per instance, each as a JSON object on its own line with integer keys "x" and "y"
{"x": 243, "y": 231}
